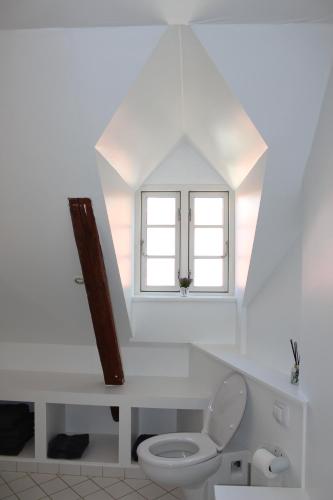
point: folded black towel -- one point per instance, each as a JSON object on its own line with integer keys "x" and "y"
{"x": 11, "y": 414}
{"x": 68, "y": 447}
{"x": 13, "y": 440}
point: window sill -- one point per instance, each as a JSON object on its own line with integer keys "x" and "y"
{"x": 175, "y": 297}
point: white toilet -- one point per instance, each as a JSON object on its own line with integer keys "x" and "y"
{"x": 187, "y": 460}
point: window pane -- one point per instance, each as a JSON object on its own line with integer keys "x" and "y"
{"x": 208, "y": 211}
{"x": 208, "y": 272}
{"x": 161, "y": 211}
{"x": 208, "y": 242}
{"x": 161, "y": 241}
{"x": 160, "y": 272}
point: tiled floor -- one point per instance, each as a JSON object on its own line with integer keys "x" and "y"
{"x": 36, "y": 486}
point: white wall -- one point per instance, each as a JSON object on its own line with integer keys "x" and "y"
{"x": 317, "y": 306}
{"x": 148, "y": 122}
{"x": 119, "y": 201}
{"x": 184, "y": 165}
{"x": 214, "y": 119}
{"x": 279, "y": 74}
{"x": 273, "y": 317}
{"x": 184, "y": 320}
{"x": 247, "y": 204}
{"x": 145, "y": 360}
{"x": 58, "y": 91}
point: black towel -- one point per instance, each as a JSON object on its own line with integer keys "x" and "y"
{"x": 68, "y": 447}
{"x": 13, "y": 440}
{"x": 11, "y": 414}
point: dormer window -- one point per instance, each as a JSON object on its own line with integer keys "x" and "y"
{"x": 184, "y": 233}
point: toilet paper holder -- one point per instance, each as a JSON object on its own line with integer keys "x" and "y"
{"x": 279, "y": 464}
{"x": 275, "y": 460}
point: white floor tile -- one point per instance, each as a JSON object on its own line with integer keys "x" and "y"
{"x": 73, "y": 480}
{"x": 164, "y": 487}
{"x": 99, "y": 495}
{"x": 151, "y": 492}
{"x": 167, "y": 496}
{"x": 34, "y": 493}
{"x": 119, "y": 490}
{"x": 11, "y": 476}
{"x": 41, "y": 478}
{"x": 66, "y": 494}
{"x": 22, "y": 484}
{"x": 177, "y": 492}
{"x": 104, "y": 482}
{"x": 86, "y": 488}
{"x": 133, "y": 496}
{"x": 5, "y": 491}
{"x": 53, "y": 486}
{"x": 137, "y": 483}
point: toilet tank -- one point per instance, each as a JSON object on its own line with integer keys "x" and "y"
{"x": 226, "y": 410}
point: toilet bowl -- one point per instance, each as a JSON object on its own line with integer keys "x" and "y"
{"x": 187, "y": 460}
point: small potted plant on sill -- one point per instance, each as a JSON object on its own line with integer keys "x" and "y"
{"x": 184, "y": 284}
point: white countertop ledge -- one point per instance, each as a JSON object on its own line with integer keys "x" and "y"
{"x": 177, "y": 298}
{"x": 89, "y": 389}
{"x": 252, "y": 369}
{"x": 259, "y": 493}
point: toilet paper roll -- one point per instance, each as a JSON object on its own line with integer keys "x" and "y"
{"x": 262, "y": 460}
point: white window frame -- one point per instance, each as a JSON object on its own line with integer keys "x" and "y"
{"x": 225, "y": 255}
{"x": 184, "y": 228}
{"x": 143, "y": 260}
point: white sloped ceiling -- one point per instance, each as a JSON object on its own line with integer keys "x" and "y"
{"x": 147, "y": 125}
{"x": 180, "y": 93}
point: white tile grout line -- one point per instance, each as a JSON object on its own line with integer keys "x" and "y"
{"x": 87, "y": 478}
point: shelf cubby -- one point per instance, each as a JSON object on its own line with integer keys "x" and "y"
{"x": 96, "y": 421}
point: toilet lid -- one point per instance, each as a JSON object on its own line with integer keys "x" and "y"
{"x": 226, "y": 410}
{"x": 190, "y": 447}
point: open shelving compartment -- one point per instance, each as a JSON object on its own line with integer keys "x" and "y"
{"x": 28, "y": 452}
{"x": 96, "y": 421}
{"x": 163, "y": 421}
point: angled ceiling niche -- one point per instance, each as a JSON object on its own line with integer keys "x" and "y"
{"x": 179, "y": 98}
{"x": 180, "y": 93}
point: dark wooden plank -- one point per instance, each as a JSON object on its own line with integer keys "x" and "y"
{"x": 98, "y": 293}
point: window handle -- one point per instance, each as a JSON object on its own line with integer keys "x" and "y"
{"x": 142, "y": 245}
{"x": 226, "y": 250}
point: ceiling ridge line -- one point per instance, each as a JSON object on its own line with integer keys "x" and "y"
{"x": 181, "y": 67}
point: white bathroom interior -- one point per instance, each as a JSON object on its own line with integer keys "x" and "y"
{"x": 137, "y": 102}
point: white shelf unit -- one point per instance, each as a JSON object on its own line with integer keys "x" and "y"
{"x": 28, "y": 452}
{"x": 80, "y": 403}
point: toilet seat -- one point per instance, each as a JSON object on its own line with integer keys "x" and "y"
{"x": 178, "y": 449}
